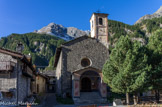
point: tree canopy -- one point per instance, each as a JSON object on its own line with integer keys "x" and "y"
{"x": 155, "y": 60}
{"x": 126, "y": 71}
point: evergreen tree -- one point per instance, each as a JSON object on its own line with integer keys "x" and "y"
{"x": 155, "y": 59}
{"x": 126, "y": 71}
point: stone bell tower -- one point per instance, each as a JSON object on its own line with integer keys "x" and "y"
{"x": 99, "y": 27}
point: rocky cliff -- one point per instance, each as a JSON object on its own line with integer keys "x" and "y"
{"x": 62, "y": 32}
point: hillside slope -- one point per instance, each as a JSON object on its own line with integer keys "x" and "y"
{"x": 40, "y": 46}
{"x": 140, "y": 31}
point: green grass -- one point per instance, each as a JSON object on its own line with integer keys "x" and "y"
{"x": 64, "y": 100}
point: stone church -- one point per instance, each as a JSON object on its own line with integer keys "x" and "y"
{"x": 79, "y": 62}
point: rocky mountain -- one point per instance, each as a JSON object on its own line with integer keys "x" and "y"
{"x": 62, "y": 32}
{"x": 157, "y": 14}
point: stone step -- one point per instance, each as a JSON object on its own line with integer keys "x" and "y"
{"x": 98, "y": 101}
{"x": 90, "y": 95}
{"x": 90, "y": 98}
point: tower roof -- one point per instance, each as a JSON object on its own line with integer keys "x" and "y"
{"x": 99, "y": 14}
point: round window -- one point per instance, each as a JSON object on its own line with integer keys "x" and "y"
{"x": 85, "y": 62}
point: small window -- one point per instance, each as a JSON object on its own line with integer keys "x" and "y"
{"x": 100, "y": 21}
{"x": 85, "y": 62}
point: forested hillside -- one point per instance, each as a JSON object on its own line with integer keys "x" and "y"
{"x": 151, "y": 25}
{"x": 40, "y": 46}
{"x": 140, "y": 31}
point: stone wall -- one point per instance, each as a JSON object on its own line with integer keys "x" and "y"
{"x": 66, "y": 83}
{"x": 84, "y": 47}
{"x": 22, "y": 88}
{"x": 41, "y": 81}
{"x": 11, "y": 78}
{"x": 24, "y": 84}
{"x": 58, "y": 75}
{"x": 21, "y": 83}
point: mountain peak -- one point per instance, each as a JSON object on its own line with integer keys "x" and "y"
{"x": 54, "y": 25}
{"x": 157, "y": 14}
{"x": 159, "y": 11}
{"x": 61, "y": 31}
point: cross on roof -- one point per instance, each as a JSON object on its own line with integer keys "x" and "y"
{"x": 98, "y": 11}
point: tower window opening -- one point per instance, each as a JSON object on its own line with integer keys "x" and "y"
{"x": 100, "y": 21}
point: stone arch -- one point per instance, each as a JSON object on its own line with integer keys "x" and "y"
{"x": 89, "y": 81}
{"x": 91, "y": 73}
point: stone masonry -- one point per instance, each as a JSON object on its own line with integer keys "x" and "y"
{"x": 70, "y": 60}
{"x": 14, "y": 81}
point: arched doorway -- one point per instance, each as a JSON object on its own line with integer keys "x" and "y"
{"x": 86, "y": 84}
{"x": 89, "y": 81}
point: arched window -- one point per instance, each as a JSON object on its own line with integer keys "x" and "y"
{"x": 100, "y": 21}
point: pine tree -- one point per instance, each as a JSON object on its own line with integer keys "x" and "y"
{"x": 155, "y": 59}
{"x": 126, "y": 71}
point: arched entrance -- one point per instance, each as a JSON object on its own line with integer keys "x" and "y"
{"x": 86, "y": 84}
{"x": 89, "y": 81}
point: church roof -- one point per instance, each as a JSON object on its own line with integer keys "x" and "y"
{"x": 50, "y": 73}
{"x": 12, "y": 53}
{"x": 18, "y": 55}
{"x": 42, "y": 75}
{"x": 76, "y": 39}
{"x": 99, "y": 14}
{"x": 58, "y": 50}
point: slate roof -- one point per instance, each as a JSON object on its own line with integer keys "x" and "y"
{"x": 58, "y": 50}
{"x": 21, "y": 56}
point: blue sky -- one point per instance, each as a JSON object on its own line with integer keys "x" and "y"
{"x": 23, "y": 16}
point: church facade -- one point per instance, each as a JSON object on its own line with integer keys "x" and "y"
{"x": 79, "y": 62}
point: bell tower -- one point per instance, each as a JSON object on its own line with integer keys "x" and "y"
{"x": 99, "y": 27}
